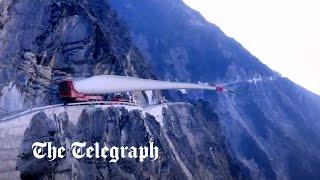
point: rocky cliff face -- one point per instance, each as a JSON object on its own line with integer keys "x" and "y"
{"x": 182, "y": 45}
{"x": 43, "y": 42}
{"x": 272, "y": 124}
{"x": 188, "y": 137}
{"x": 272, "y": 128}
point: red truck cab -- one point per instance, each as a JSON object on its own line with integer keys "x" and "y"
{"x": 69, "y": 94}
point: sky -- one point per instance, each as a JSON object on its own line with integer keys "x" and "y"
{"x": 283, "y": 34}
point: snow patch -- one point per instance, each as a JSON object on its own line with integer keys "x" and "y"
{"x": 11, "y": 99}
{"x": 156, "y": 111}
{"x": 183, "y": 91}
{"x": 254, "y": 80}
{"x": 149, "y": 96}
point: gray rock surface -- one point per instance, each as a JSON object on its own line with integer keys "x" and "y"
{"x": 189, "y": 139}
{"x": 271, "y": 125}
{"x": 45, "y": 41}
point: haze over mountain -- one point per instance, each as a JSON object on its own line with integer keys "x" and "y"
{"x": 271, "y": 125}
{"x": 269, "y": 30}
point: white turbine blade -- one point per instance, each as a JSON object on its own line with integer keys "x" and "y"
{"x": 112, "y": 84}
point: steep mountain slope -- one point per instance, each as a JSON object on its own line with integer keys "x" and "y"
{"x": 272, "y": 124}
{"x": 180, "y": 43}
{"x": 44, "y": 41}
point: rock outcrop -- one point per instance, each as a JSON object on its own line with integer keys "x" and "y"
{"x": 188, "y": 137}
{"x": 45, "y": 41}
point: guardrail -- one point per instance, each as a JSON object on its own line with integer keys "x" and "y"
{"x": 29, "y": 111}
{"x": 110, "y": 103}
{"x": 37, "y": 109}
{"x": 103, "y": 103}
